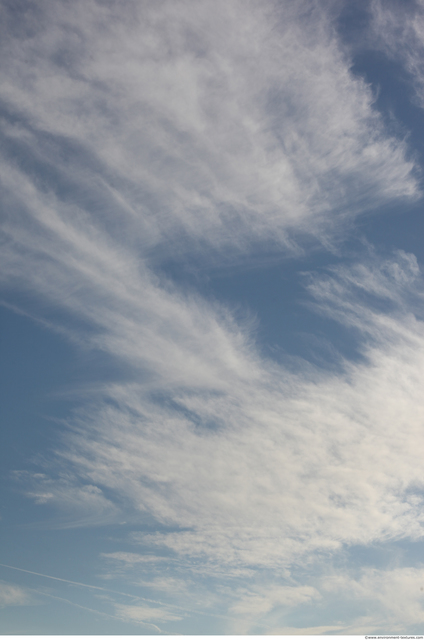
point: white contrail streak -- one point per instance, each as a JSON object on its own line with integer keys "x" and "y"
{"x": 121, "y": 593}
{"x": 91, "y": 586}
{"x": 96, "y": 611}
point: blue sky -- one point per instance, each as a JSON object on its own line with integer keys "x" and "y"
{"x": 212, "y": 307}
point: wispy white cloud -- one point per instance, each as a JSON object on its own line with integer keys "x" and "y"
{"x": 398, "y": 29}
{"x": 171, "y": 128}
{"x": 263, "y": 465}
{"x": 142, "y": 613}
{"x": 11, "y": 595}
{"x": 250, "y": 464}
{"x": 374, "y": 601}
{"x": 305, "y": 631}
{"x": 193, "y": 125}
{"x": 256, "y": 464}
{"x": 131, "y": 559}
{"x": 120, "y": 613}
{"x": 253, "y": 607}
{"x": 84, "y": 505}
{"x": 393, "y": 597}
{"x": 286, "y": 596}
{"x": 355, "y": 600}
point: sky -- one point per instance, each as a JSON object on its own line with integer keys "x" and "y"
{"x": 212, "y": 317}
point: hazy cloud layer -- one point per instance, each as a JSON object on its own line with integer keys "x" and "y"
{"x": 357, "y": 600}
{"x": 253, "y": 467}
{"x": 253, "y": 449}
{"x": 183, "y": 127}
{"x": 214, "y": 129}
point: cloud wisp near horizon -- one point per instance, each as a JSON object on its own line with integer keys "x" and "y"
{"x": 255, "y": 491}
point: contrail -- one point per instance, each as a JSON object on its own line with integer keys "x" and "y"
{"x": 120, "y": 593}
{"x": 101, "y": 613}
{"x": 91, "y": 586}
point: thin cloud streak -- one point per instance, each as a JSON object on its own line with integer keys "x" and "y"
{"x": 79, "y": 584}
{"x": 100, "y": 613}
{"x": 398, "y": 30}
{"x": 88, "y": 586}
{"x": 10, "y": 595}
